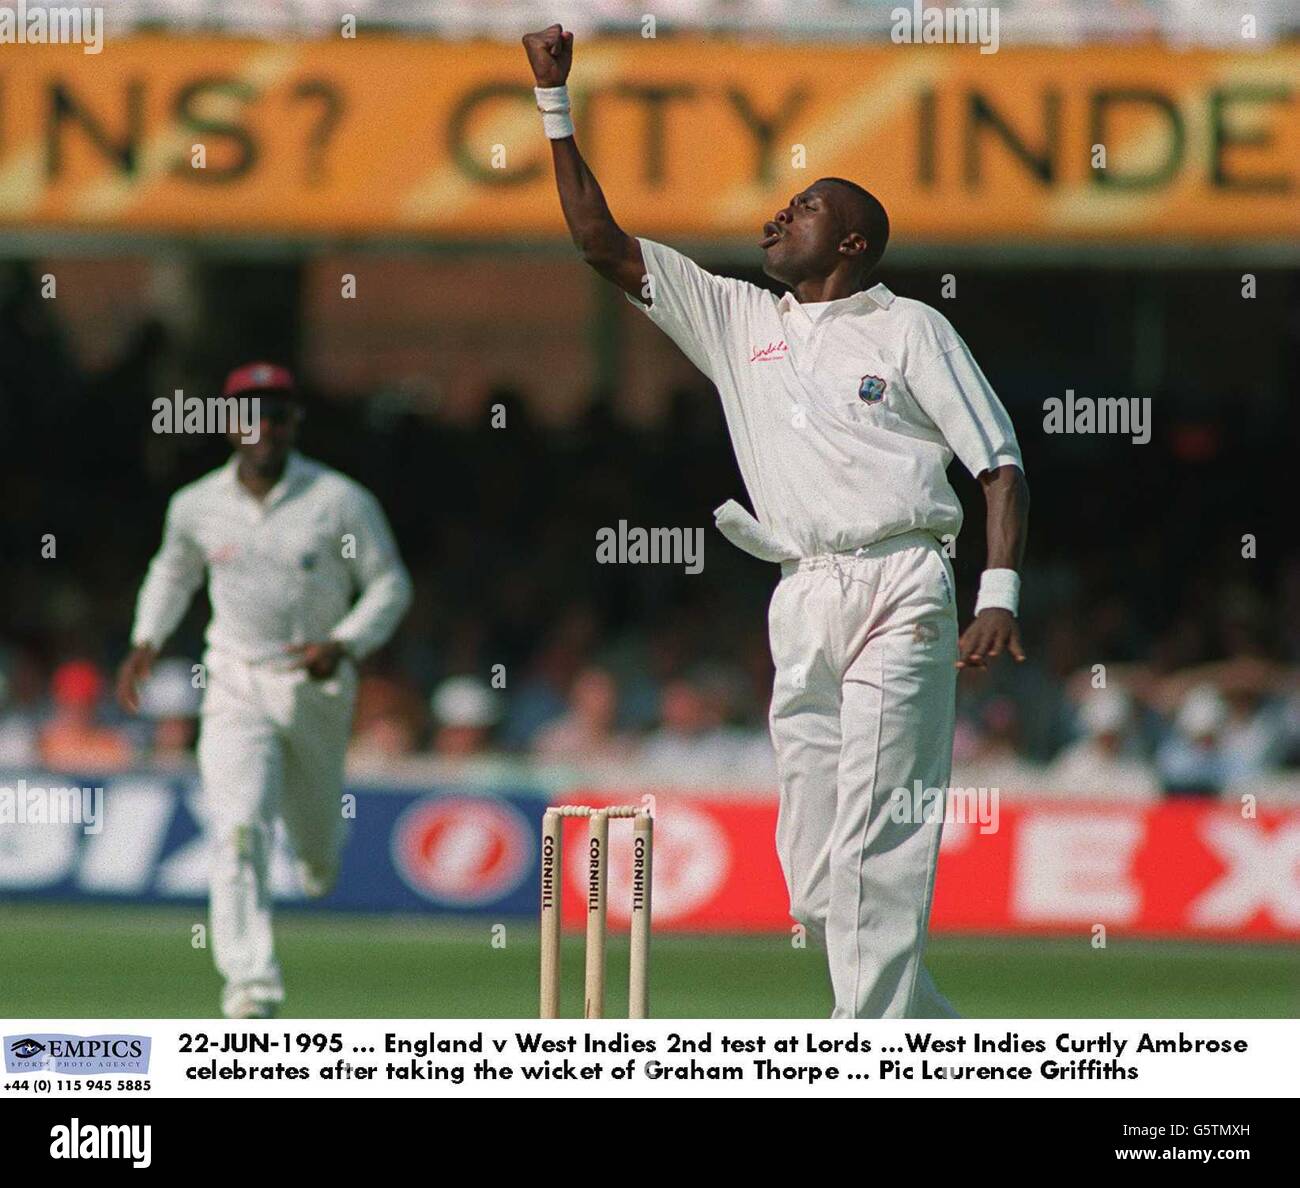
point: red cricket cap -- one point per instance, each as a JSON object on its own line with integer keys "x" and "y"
{"x": 259, "y": 377}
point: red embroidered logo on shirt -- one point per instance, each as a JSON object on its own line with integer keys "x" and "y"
{"x": 769, "y": 353}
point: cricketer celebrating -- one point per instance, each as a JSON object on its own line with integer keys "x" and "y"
{"x": 304, "y": 580}
{"x": 845, "y": 405}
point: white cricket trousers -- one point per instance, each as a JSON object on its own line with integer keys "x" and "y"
{"x": 863, "y": 703}
{"x": 271, "y": 744}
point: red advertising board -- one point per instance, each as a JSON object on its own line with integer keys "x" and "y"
{"x": 715, "y": 868}
{"x": 1194, "y": 870}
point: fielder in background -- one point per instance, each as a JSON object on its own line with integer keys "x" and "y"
{"x": 845, "y": 405}
{"x": 304, "y": 580}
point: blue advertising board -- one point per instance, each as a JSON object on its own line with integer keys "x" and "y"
{"x": 138, "y": 837}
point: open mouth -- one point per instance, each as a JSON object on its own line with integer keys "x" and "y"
{"x": 771, "y": 233}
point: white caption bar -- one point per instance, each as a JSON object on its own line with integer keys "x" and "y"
{"x": 660, "y": 1057}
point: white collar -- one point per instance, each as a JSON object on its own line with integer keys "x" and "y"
{"x": 294, "y": 467}
{"x": 878, "y": 295}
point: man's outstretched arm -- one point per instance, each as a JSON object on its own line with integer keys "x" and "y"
{"x": 603, "y": 243}
{"x": 995, "y": 628}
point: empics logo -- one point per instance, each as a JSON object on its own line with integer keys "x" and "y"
{"x": 88, "y": 1140}
{"x": 77, "y": 1055}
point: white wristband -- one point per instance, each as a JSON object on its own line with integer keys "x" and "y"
{"x": 553, "y": 103}
{"x": 1001, "y": 588}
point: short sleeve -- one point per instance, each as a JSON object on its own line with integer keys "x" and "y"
{"x": 174, "y": 574}
{"x": 689, "y": 304}
{"x": 952, "y": 390}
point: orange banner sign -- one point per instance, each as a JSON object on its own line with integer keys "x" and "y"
{"x": 690, "y": 138}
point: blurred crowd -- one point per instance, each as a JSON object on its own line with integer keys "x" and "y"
{"x": 1163, "y": 650}
{"x": 1213, "y": 730}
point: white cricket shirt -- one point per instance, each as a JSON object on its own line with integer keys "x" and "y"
{"x": 314, "y": 560}
{"x": 843, "y": 414}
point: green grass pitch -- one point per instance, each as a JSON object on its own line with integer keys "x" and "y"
{"x": 83, "y": 961}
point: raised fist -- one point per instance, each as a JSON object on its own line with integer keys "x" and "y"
{"x": 550, "y": 54}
